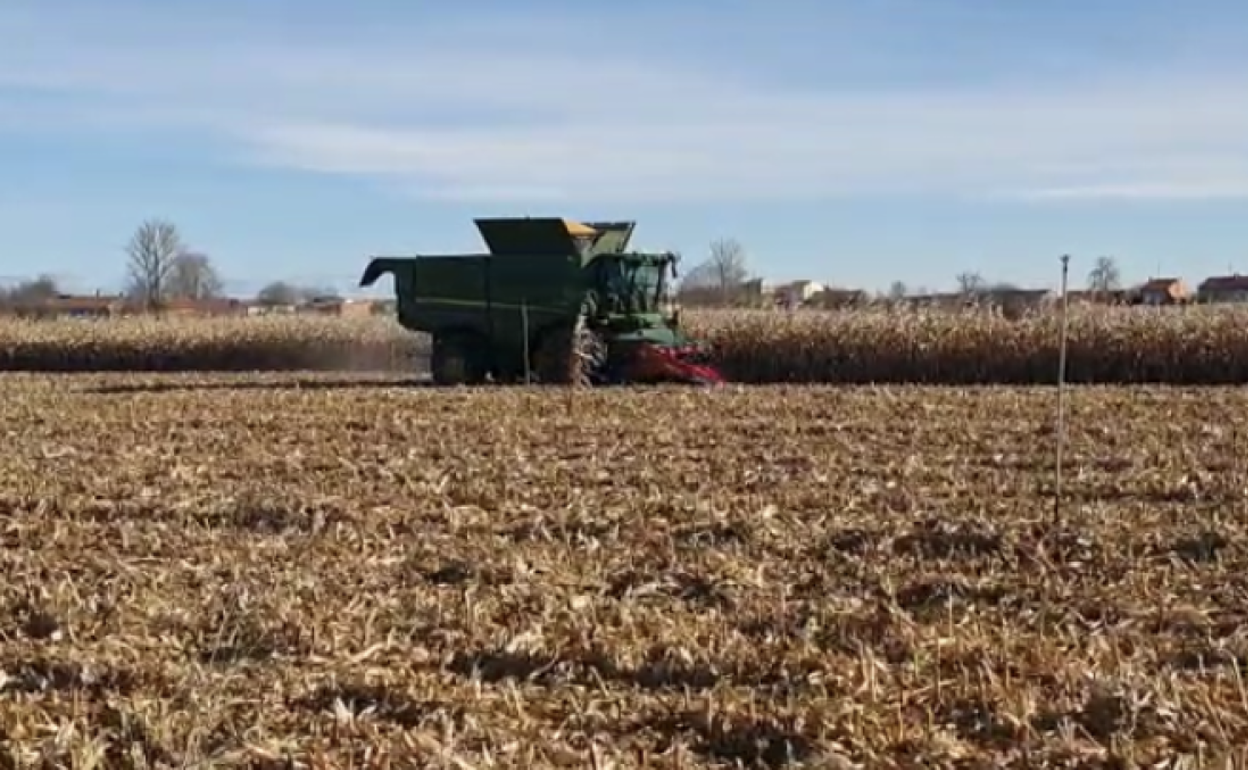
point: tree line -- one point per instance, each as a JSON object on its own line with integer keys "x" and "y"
{"x": 725, "y": 271}
{"x": 161, "y": 268}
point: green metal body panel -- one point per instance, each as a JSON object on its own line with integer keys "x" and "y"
{"x": 536, "y": 277}
{"x": 526, "y": 237}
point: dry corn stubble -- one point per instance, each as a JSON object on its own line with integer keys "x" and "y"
{"x": 226, "y": 570}
{"x": 1190, "y": 345}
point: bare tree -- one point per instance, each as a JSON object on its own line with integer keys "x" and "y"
{"x": 153, "y": 250}
{"x": 1104, "y": 276}
{"x": 193, "y": 277}
{"x": 698, "y": 277}
{"x": 32, "y": 291}
{"x": 723, "y": 271}
{"x": 897, "y": 290}
{"x": 727, "y": 262}
{"x": 970, "y": 283}
{"x": 279, "y": 293}
{"x": 285, "y": 293}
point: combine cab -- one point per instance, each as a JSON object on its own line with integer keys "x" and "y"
{"x": 553, "y": 300}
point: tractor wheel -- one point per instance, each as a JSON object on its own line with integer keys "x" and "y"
{"x": 553, "y": 361}
{"x": 456, "y": 360}
{"x": 568, "y": 356}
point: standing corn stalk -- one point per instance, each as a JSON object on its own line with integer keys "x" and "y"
{"x": 587, "y": 355}
{"x": 589, "y": 352}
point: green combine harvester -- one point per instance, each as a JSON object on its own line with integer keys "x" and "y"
{"x": 554, "y": 300}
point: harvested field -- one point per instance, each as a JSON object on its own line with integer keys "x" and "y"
{"x": 1191, "y": 346}
{"x": 236, "y": 570}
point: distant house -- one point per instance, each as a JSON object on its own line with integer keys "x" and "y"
{"x": 356, "y": 308}
{"x": 1110, "y": 297}
{"x": 337, "y": 306}
{"x": 1223, "y": 288}
{"x": 752, "y": 293}
{"x": 797, "y": 293}
{"x": 70, "y": 306}
{"x": 836, "y": 299}
{"x": 1019, "y": 297}
{"x": 256, "y": 309}
{"x": 941, "y": 301}
{"x": 1163, "y": 291}
{"x": 204, "y": 308}
{"x": 83, "y": 307}
{"x": 1009, "y": 301}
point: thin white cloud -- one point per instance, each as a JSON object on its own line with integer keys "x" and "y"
{"x": 1201, "y": 189}
{"x": 445, "y": 118}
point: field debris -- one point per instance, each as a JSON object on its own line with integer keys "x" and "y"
{"x": 239, "y": 570}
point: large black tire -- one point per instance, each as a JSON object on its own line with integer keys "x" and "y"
{"x": 553, "y": 361}
{"x": 456, "y": 360}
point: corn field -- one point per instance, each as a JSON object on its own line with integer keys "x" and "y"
{"x": 1193, "y": 345}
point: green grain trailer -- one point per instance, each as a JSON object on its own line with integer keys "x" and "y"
{"x": 568, "y": 295}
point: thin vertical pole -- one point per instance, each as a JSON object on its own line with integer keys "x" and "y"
{"x": 524, "y": 331}
{"x": 575, "y": 355}
{"x": 1061, "y": 391}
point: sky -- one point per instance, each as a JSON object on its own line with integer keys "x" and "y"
{"x": 853, "y": 142}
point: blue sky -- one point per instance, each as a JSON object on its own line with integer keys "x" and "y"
{"x": 853, "y": 142}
